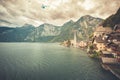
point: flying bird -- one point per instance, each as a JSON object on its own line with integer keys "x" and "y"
{"x": 43, "y": 6}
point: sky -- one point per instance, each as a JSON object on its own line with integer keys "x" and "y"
{"x": 36, "y": 12}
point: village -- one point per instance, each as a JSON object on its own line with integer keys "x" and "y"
{"x": 104, "y": 45}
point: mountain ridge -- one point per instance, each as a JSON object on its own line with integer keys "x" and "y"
{"x": 51, "y": 33}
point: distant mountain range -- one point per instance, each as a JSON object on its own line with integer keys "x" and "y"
{"x": 15, "y": 34}
{"x": 50, "y": 33}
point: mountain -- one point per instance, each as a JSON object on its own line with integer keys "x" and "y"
{"x": 50, "y": 33}
{"x": 44, "y": 33}
{"x": 84, "y": 27}
{"x": 112, "y": 20}
{"x": 4, "y": 28}
{"x": 16, "y": 34}
{"x": 66, "y": 32}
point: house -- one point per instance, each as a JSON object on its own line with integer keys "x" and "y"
{"x": 101, "y": 30}
{"x": 99, "y": 42}
{"x": 67, "y": 43}
{"x": 113, "y": 42}
{"x": 107, "y": 54}
{"x": 108, "y": 58}
{"x": 113, "y": 37}
{"x": 82, "y": 44}
{"x": 98, "y": 37}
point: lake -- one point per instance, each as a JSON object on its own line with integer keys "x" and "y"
{"x": 48, "y": 61}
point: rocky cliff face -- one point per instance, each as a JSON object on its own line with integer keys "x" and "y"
{"x": 44, "y": 32}
{"x": 84, "y": 27}
{"x": 50, "y": 30}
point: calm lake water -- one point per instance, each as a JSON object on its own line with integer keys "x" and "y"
{"x": 48, "y": 61}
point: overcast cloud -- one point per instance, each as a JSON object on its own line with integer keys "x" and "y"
{"x": 36, "y": 12}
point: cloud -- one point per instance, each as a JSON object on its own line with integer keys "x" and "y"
{"x": 56, "y": 12}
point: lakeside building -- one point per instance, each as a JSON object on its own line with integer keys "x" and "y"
{"x": 99, "y": 43}
{"x": 113, "y": 42}
{"x": 98, "y": 37}
{"x": 102, "y": 30}
{"x": 107, "y": 41}
{"x": 82, "y": 44}
{"x": 108, "y": 58}
{"x": 111, "y": 56}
